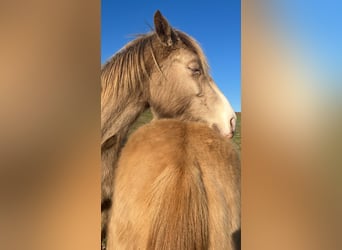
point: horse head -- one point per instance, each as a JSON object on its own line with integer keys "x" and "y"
{"x": 180, "y": 84}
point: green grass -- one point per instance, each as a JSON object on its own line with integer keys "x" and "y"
{"x": 237, "y": 136}
{"x": 146, "y": 117}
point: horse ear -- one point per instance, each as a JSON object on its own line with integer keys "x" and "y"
{"x": 163, "y": 29}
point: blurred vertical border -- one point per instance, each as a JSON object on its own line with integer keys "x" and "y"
{"x": 291, "y": 144}
{"x": 50, "y": 124}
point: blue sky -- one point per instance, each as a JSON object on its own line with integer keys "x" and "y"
{"x": 215, "y": 24}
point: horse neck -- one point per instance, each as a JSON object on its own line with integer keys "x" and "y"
{"x": 116, "y": 118}
{"x": 123, "y": 100}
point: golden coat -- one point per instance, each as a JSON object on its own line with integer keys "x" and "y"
{"x": 177, "y": 187}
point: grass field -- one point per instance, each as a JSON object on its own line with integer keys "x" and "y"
{"x": 147, "y": 117}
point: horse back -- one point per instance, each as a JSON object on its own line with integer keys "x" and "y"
{"x": 177, "y": 186}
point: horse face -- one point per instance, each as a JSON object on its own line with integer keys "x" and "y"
{"x": 181, "y": 86}
{"x": 183, "y": 90}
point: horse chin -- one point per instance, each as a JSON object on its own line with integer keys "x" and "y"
{"x": 229, "y": 135}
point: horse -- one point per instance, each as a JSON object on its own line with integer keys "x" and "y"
{"x": 176, "y": 186}
{"x": 164, "y": 70}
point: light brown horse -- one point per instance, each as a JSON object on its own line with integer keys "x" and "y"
{"x": 165, "y": 70}
{"x": 177, "y": 186}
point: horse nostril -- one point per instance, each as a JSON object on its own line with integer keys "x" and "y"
{"x": 230, "y": 135}
{"x": 233, "y": 123}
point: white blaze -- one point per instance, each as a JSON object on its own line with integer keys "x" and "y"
{"x": 226, "y": 114}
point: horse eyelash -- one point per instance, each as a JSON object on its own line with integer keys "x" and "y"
{"x": 195, "y": 71}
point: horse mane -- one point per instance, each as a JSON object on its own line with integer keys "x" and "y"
{"x": 125, "y": 73}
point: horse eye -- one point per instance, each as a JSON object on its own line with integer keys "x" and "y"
{"x": 195, "y": 71}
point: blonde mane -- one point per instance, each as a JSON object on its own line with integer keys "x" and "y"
{"x": 126, "y": 70}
